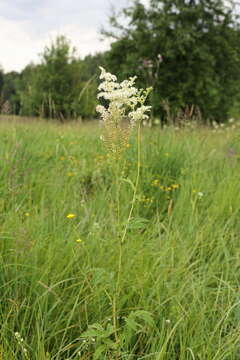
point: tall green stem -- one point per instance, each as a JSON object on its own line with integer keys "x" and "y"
{"x": 136, "y": 182}
{"x": 125, "y": 233}
{"x": 132, "y": 205}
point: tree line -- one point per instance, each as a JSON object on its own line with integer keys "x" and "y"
{"x": 187, "y": 50}
{"x": 62, "y": 86}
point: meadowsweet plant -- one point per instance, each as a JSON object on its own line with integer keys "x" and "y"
{"x": 124, "y": 111}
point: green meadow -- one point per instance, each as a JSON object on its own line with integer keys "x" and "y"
{"x": 70, "y": 289}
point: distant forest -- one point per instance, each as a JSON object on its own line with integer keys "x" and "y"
{"x": 187, "y": 50}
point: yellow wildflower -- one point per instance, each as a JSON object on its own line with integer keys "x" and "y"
{"x": 70, "y": 216}
{"x": 79, "y": 240}
{"x": 155, "y": 182}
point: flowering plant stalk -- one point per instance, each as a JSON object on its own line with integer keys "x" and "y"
{"x": 125, "y": 102}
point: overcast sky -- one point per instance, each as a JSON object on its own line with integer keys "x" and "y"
{"x": 26, "y": 26}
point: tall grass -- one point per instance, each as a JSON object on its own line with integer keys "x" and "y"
{"x": 178, "y": 293}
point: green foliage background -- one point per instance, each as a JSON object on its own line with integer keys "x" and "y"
{"x": 199, "y": 45}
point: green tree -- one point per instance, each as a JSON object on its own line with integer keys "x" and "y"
{"x": 86, "y": 101}
{"x": 28, "y": 91}
{"x": 198, "y": 41}
{"x": 1, "y": 86}
{"x": 9, "y": 91}
{"x": 1, "y": 79}
{"x": 61, "y": 86}
{"x": 55, "y": 79}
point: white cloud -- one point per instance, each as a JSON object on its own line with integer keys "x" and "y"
{"x": 86, "y": 40}
{"x": 19, "y": 47}
{"x": 26, "y": 26}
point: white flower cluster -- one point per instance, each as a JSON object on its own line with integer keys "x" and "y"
{"x": 125, "y": 100}
{"x": 20, "y": 341}
{"x": 139, "y": 114}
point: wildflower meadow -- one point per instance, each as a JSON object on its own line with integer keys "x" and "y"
{"x": 119, "y": 241}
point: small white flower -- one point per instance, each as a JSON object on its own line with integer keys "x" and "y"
{"x": 200, "y": 194}
{"x": 101, "y": 109}
{"x": 107, "y": 76}
{"x": 139, "y": 114}
{"x": 144, "y": 122}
